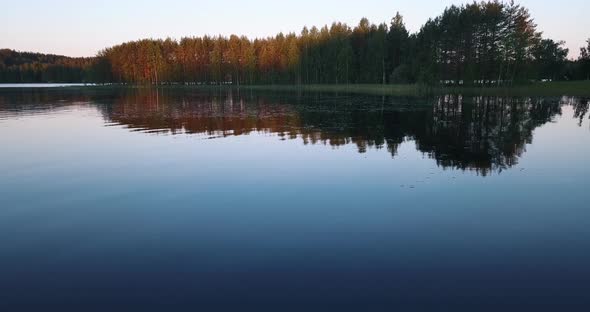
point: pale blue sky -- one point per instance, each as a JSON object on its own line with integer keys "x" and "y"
{"x": 81, "y": 28}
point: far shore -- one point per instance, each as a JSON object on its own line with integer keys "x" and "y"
{"x": 560, "y": 88}
{"x": 569, "y": 88}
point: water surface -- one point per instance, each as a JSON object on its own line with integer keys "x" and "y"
{"x": 227, "y": 200}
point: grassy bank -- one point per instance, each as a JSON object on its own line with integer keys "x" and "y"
{"x": 571, "y": 88}
{"x": 374, "y": 89}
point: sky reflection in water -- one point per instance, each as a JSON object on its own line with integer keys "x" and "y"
{"x": 247, "y": 200}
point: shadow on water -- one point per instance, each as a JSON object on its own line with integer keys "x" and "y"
{"x": 483, "y": 134}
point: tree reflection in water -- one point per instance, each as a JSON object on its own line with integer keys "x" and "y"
{"x": 485, "y": 134}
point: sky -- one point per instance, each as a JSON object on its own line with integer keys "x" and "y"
{"x": 82, "y": 28}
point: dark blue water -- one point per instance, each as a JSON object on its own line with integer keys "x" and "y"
{"x": 184, "y": 200}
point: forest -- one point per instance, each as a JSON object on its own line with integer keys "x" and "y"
{"x": 489, "y": 43}
{"x": 27, "y": 67}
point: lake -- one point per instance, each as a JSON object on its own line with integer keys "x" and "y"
{"x": 187, "y": 199}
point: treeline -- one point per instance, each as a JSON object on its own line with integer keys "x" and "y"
{"x": 486, "y": 43}
{"x": 26, "y": 67}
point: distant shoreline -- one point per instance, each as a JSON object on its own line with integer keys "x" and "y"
{"x": 560, "y": 88}
{"x": 570, "y": 88}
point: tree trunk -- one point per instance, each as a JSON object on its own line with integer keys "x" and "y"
{"x": 383, "y": 69}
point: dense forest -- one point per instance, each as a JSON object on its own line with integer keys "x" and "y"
{"x": 487, "y": 43}
{"x": 26, "y": 67}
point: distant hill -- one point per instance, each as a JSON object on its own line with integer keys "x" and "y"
{"x": 29, "y": 67}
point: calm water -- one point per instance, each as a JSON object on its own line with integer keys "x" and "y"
{"x": 209, "y": 201}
